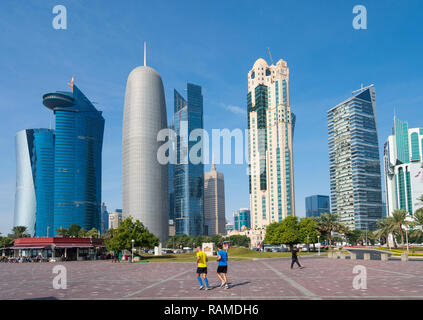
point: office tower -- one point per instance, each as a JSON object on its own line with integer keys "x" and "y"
{"x": 214, "y": 202}
{"x": 403, "y": 158}
{"x": 77, "y": 159}
{"x": 144, "y": 178}
{"x": 34, "y": 181}
{"x": 355, "y": 179}
{"x": 229, "y": 227}
{"x": 187, "y": 173}
{"x": 316, "y": 205}
{"x": 104, "y": 219}
{"x": 242, "y": 219}
{"x": 271, "y": 129}
{"x": 115, "y": 218}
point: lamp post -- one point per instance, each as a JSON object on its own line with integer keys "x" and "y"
{"x": 48, "y": 227}
{"x": 318, "y": 240}
{"x": 132, "y": 259}
{"x": 406, "y": 237}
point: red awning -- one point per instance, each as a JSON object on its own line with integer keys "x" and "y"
{"x": 27, "y": 247}
{"x": 73, "y": 245}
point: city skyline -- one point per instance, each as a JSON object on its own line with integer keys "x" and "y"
{"x": 222, "y": 77}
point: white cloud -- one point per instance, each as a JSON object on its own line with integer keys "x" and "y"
{"x": 236, "y": 109}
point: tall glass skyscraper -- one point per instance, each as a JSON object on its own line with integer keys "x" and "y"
{"x": 316, "y": 205}
{"x": 34, "y": 181}
{"x": 77, "y": 161}
{"x": 188, "y": 190}
{"x": 355, "y": 179}
{"x": 271, "y": 125}
{"x": 403, "y": 157}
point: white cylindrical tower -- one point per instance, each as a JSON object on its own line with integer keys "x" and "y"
{"x": 144, "y": 179}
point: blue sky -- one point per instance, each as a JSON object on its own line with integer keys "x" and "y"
{"x": 213, "y": 44}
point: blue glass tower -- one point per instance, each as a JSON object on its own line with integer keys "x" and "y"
{"x": 34, "y": 181}
{"x": 316, "y": 205}
{"x": 77, "y": 162}
{"x": 355, "y": 179}
{"x": 242, "y": 219}
{"x": 188, "y": 187}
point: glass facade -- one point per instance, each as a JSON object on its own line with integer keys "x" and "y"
{"x": 77, "y": 162}
{"x": 355, "y": 179}
{"x": 34, "y": 181}
{"x": 242, "y": 219}
{"x": 316, "y": 205}
{"x": 403, "y": 168}
{"x": 188, "y": 185}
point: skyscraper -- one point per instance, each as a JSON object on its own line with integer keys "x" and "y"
{"x": 242, "y": 219}
{"x": 316, "y": 205}
{"x": 403, "y": 157}
{"x": 187, "y": 174}
{"x": 271, "y": 128}
{"x": 77, "y": 159}
{"x": 144, "y": 179}
{"x": 214, "y": 202}
{"x": 355, "y": 179}
{"x": 34, "y": 181}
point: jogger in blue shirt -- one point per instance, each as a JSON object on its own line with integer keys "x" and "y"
{"x": 222, "y": 268}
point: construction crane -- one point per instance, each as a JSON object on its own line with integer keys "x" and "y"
{"x": 271, "y": 60}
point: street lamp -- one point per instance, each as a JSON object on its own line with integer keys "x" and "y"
{"x": 318, "y": 240}
{"x": 47, "y": 230}
{"x": 132, "y": 259}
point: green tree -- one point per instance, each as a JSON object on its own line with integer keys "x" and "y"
{"x": 19, "y": 232}
{"x": 62, "y": 232}
{"x": 328, "y": 223}
{"x": 6, "y": 242}
{"x": 285, "y": 232}
{"x": 92, "y": 233}
{"x": 398, "y": 221}
{"x": 130, "y": 230}
{"x": 239, "y": 241}
{"x": 308, "y": 230}
{"x": 73, "y": 230}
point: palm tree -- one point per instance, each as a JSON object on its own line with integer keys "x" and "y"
{"x": 398, "y": 221}
{"x": 385, "y": 227}
{"x": 327, "y": 223}
{"x": 19, "y": 232}
{"x": 62, "y": 232}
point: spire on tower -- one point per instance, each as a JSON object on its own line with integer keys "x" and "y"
{"x": 145, "y": 54}
{"x": 213, "y": 167}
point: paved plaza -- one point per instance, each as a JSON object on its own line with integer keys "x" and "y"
{"x": 322, "y": 278}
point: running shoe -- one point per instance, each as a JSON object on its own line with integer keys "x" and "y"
{"x": 202, "y": 287}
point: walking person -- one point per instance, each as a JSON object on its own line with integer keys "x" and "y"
{"x": 295, "y": 258}
{"x": 202, "y": 268}
{"x": 222, "y": 266}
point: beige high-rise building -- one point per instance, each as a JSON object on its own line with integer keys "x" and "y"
{"x": 214, "y": 202}
{"x": 271, "y": 128}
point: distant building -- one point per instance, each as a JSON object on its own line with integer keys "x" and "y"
{"x": 256, "y": 236}
{"x": 354, "y": 163}
{"x": 214, "y": 202}
{"x": 104, "y": 219}
{"x": 242, "y": 219}
{"x": 172, "y": 230}
{"x": 34, "y": 198}
{"x": 115, "y": 218}
{"x": 403, "y": 157}
{"x": 229, "y": 227}
{"x": 316, "y": 205}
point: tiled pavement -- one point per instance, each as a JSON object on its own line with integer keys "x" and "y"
{"x": 321, "y": 278}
